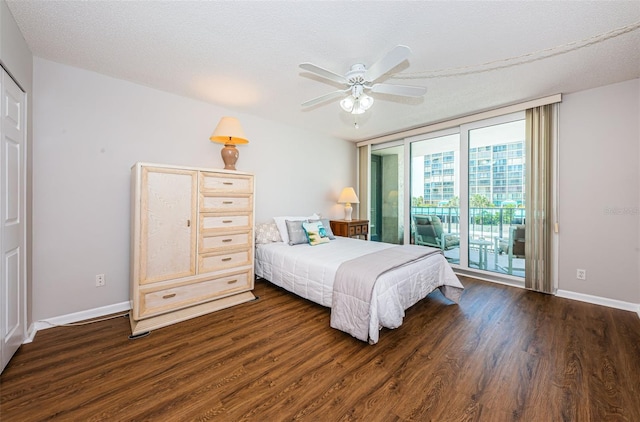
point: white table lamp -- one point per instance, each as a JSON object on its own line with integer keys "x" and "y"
{"x": 347, "y": 197}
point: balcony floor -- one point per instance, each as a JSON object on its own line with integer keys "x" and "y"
{"x": 453, "y": 256}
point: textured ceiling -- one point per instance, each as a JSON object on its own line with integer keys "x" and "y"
{"x": 245, "y": 55}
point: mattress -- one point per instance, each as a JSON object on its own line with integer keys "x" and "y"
{"x": 309, "y": 272}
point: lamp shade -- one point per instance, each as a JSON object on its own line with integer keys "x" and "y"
{"x": 347, "y": 103}
{"x": 229, "y": 132}
{"x": 348, "y": 196}
{"x": 356, "y": 105}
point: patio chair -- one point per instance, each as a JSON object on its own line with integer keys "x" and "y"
{"x": 513, "y": 246}
{"x": 429, "y": 232}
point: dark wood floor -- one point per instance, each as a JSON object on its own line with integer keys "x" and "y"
{"x": 503, "y": 354}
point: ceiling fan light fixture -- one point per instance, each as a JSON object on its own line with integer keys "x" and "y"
{"x": 357, "y": 108}
{"x": 348, "y": 103}
{"x": 362, "y": 104}
{"x": 366, "y": 102}
{"x": 356, "y": 105}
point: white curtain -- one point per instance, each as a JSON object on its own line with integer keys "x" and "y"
{"x": 538, "y": 233}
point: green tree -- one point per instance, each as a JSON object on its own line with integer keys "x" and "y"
{"x": 507, "y": 213}
{"x": 480, "y": 201}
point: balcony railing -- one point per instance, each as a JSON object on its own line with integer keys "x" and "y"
{"x": 486, "y": 225}
{"x": 483, "y": 222}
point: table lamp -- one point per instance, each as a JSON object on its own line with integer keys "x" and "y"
{"x": 230, "y": 133}
{"x": 347, "y": 197}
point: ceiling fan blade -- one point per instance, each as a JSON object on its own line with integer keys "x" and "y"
{"x": 327, "y": 74}
{"x": 325, "y": 97}
{"x": 404, "y": 90}
{"x": 393, "y": 58}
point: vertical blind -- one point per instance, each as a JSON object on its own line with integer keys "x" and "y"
{"x": 538, "y": 229}
{"x": 363, "y": 181}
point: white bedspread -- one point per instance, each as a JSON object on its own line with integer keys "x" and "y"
{"x": 309, "y": 271}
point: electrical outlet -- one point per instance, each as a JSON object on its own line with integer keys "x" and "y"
{"x": 100, "y": 280}
{"x": 581, "y": 274}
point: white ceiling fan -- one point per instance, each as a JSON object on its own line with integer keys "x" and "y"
{"x": 360, "y": 80}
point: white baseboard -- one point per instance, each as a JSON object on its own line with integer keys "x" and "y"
{"x": 597, "y": 300}
{"x": 75, "y": 317}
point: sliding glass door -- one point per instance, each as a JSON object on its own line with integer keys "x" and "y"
{"x": 496, "y": 195}
{"x": 387, "y": 193}
{"x": 435, "y": 194}
{"x": 465, "y": 196}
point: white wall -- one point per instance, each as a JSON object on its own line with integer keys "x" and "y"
{"x": 599, "y": 191}
{"x": 15, "y": 55}
{"x": 90, "y": 129}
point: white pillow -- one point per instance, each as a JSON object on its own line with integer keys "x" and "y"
{"x": 267, "y": 233}
{"x": 282, "y": 225}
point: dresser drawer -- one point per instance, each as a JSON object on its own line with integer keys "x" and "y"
{"x": 215, "y": 241}
{"x": 217, "y": 182}
{"x": 221, "y": 260}
{"x": 169, "y": 299}
{"x": 225, "y": 203}
{"x": 216, "y": 221}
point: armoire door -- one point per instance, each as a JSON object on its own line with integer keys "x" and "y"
{"x": 12, "y": 218}
{"x": 168, "y": 223}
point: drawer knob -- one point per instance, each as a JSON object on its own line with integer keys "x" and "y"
{"x": 227, "y": 240}
{"x": 188, "y": 223}
{"x": 232, "y": 281}
{"x": 226, "y": 259}
{"x": 227, "y": 202}
{"x": 169, "y": 296}
{"x": 227, "y": 183}
{"x": 227, "y": 221}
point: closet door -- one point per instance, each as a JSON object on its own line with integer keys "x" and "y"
{"x": 168, "y": 223}
{"x": 12, "y": 218}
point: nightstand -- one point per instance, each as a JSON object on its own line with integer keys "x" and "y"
{"x": 353, "y": 228}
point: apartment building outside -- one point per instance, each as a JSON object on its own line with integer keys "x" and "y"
{"x": 496, "y": 172}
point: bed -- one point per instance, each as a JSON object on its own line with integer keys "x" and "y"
{"x": 310, "y": 272}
